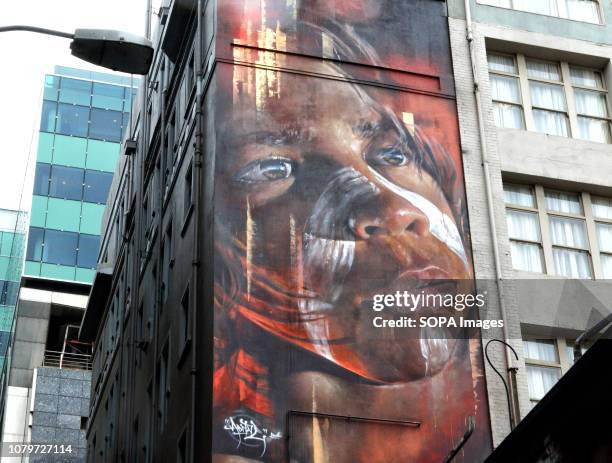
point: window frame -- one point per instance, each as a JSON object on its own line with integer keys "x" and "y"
{"x": 604, "y": 221}
{"x": 184, "y": 325}
{"x": 556, "y": 83}
{"x": 600, "y": 91}
{"x": 564, "y": 362}
{"x": 569, "y": 94}
{"x": 532, "y": 210}
{"x": 516, "y": 76}
{"x": 600, "y": 14}
{"x": 587, "y": 216}
{"x": 188, "y": 199}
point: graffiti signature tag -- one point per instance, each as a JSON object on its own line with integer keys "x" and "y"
{"x": 245, "y": 431}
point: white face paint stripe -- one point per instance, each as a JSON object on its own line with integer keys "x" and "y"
{"x": 440, "y": 225}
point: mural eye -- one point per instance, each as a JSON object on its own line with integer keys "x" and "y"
{"x": 393, "y": 157}
{"x": 266, "y": 170}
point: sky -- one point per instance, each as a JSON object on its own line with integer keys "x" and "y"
{"x": 27, "y": 57}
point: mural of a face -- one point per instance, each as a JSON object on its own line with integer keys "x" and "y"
{"x": 330, "y": 200}
{"x": 328, "y": 192}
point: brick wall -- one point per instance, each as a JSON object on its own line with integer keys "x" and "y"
{"x": 482, "y": 246}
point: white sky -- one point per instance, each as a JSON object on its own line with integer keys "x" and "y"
{"x": 27, "y": 57}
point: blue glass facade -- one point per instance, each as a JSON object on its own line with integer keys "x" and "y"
{"x": 12, "y": 241}
{"x": 83, "y": 118}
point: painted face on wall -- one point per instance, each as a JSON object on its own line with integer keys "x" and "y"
{"x": 325, "y": 199}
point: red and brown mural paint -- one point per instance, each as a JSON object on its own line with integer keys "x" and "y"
{"x": 337, "y": 176}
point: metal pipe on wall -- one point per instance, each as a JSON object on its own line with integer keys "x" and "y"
{"x": 511, "y": 369}
{"x": 197, "y": 174}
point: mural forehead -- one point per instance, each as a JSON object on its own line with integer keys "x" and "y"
{"x": 338, "y": 179}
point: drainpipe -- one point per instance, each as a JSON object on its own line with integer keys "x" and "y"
{"x": 511, "y": 369}
{"x": 198, "y": 178}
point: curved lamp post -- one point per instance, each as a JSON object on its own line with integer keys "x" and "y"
{"x": 116, "y": 50}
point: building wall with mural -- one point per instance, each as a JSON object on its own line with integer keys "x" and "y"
{"x": 338, "y": 176}
{"x": 294, "y": 160}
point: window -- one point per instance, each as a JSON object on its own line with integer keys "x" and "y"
{"x": 163, "y": 388}
{"x": 602, "y": 212}
{"x": 87, "y": 256}
{"x": 8, "y": 292}
{"x": 97, "y": 185}
{"x": 146, "y": 220}
{"x": 190, "y": 76}
{"x": 578, "y": 10}
{"x": 505, "y": 91}
{"x": 523, "y": 228}
{"x": 75, "y": 91}
{"x": 569, "y": 349}
{"x": 107, "y": 96}
{"x": 60, "y": 247}
{"x": 555, "y": 98}
{"x": 565, "y": 233}
{"x": 188, "y": 191}
{"x": 48, "y": 116}
{"x": 591, "y": 105}
{"x": 35, "y": 244}
{"x": 105, "y": 124}
{"x": 72, "y": 120}
{"x": 170, "y": 151}
{"x": 546, "y": 360}
{"x": 547, "y": 94}
{"x": 543, "y": 366}
{"x": 182, "y": 455}
{"x": 184, "y": 320}
{"x": 166, "y": 255}
{"x": 51, "y": 87}
{"x": 141, "y": 336}
{"x": 41, "y": 179}
{"x": 66, "y": 183}
{"x": 568, "y": 234}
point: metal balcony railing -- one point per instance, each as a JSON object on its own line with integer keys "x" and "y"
{"x": 68, "y": 360}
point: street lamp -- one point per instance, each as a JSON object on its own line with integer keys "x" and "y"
{"x": 116, "y": 50}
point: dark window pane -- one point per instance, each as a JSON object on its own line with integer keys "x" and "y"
{"x": 66, "y": 183}
{"x": 72, "y": 120}
{"x": 4, "y": 341}
{"x": 105, "y": 125}
{"x": 41, "y": 179}
{"x": 35, "y": 241}
{"x": 47, "y": 118}
{"x": 8, "y": 292}
{"x": 88, "y": 251}
{"x": 60, "y": 247}
{"x": 97, "y": 185}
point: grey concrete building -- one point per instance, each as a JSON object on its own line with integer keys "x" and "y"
{"x": 531, "y": 91}
{"x": 554, "y": 285}
{"x": 49, "y": 383}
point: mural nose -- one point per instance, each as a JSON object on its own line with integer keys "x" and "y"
{"x": 391, "y": 223}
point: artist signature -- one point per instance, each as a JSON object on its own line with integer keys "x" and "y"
{"x": 245, "y": 431}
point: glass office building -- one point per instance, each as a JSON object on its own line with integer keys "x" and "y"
{"x": 12, "y": 241}
{"x": 84, "y": 114}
